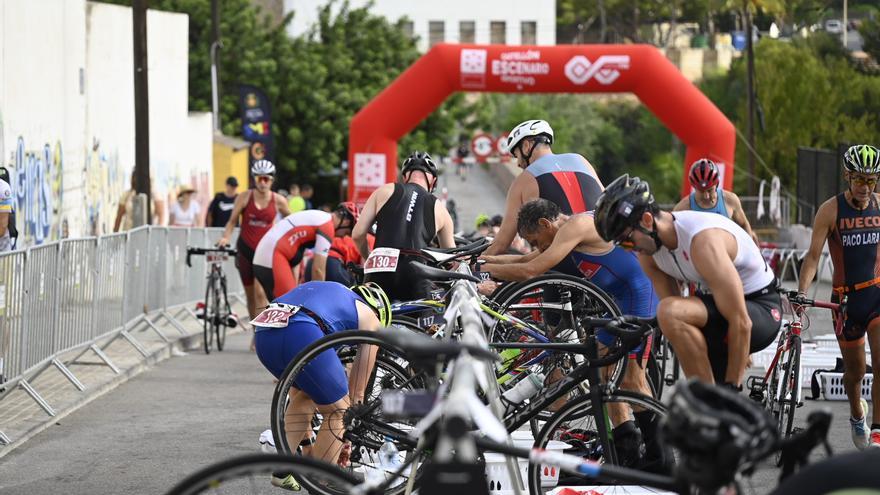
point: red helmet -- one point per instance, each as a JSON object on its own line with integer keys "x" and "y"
{"x": 350, "y": 210}
{"x": 704, "y": 174}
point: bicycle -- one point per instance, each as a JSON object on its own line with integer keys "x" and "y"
{"x": 217, "y": 309}
{"x": 366, "y": 427}
{"x": 779, "y": 390}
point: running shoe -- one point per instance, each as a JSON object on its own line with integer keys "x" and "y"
{"x": 285, "y": 481}
{"x": 860, "y": 431}
{"x": 874, "y": 440}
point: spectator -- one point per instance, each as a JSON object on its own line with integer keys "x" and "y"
{"x": 125, "y": 212}
{"x": 307, "y": 193}
{"x": 11, "y": 225}
{"x": 294, "y": 200}
{"x": 221, "y": 206}
{"x": 185, "y": 212}
{"x": 6, "y": 209}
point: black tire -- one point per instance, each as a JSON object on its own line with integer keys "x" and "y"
{"x": 791, "y": 385}
{"x": 210, "y": 309}
{"x": 588, "y": 300}
{"x": 579, "y": 413}
{"x": 222, "y": 316}
{"x": 394, "y": 375}
{"x": 251, "y": 474}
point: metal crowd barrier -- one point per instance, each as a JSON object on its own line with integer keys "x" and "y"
{"x": 68, "y": 295}
{"x": 786, "y": 264}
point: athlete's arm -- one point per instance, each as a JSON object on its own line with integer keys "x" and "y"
{"x": 323, "y": 241}
{"x": 363, "y": 364}
{"x": 822, "y": 225}
{"x": 516, "y": 196}
{"x": 713, "y": 252}
{"x": 683, "y": 204}
{"x": 664, "y": 285}
{"x": 504, "y": 259}
{"x": 209, "y": 216}
{"x": 240, "y": 202}
{"x": 120, "y": 212}
{"x": 281, "y": 204}
{"x": 445, "y": 226}
{"x": 739, "y": 215}
{"x": 4, "y": 222}
{"x": 365, "y": 221}
{"x": 567, "y": 238}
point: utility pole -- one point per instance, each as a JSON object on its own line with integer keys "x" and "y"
{"x": 750, "y": 95}
{"x": 215, "y": 63}
{"x": 141, "y": 104}
{"x": 845, "y": 22}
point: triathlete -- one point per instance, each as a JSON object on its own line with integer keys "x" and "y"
{"x": 556, "y": 236}
{"x": 408, "y": 218}
{"x": 850, "y": 222}
{"x": 566, "y": 179}
{"x": 282, "y": 248}
{"x": 712, "y": 334}
{"x": 708, "y": 196}
{"x": 255, "y": 211}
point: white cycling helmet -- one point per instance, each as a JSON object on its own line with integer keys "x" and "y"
{"x": 262, "y": 167}
{"x": 526, "y": 129}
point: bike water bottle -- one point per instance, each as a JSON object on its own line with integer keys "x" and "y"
{"x": 389, "y": 459}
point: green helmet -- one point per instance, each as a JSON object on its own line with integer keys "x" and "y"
{"x": 375, "y": 298}
{"x": 482, "y": 218}
{"x": 862, "y": 159}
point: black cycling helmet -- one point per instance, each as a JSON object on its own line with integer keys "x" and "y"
{"x": 717, "y": 433}
{"x": 420, "y": 160}
{"x": 621, "y": 205}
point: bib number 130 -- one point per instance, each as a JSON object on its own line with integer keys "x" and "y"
{"x": 382, "y": 260}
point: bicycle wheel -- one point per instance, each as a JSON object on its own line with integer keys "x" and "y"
{"x": 366, "y": 429}
{"x": 575, "y": 425}
{"x": 222, "y": 316}
{"x": 251, "y": 474}
{"x": 210, "y": 313}
{"x": 789, "y": 387}
{"x": 553, "y": 303}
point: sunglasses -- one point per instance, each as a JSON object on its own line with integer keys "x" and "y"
{"x": 264, "y": 178}
{"x": 863, "y": 181}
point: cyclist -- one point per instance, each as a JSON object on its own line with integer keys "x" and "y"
{"x": 407, "y": 217}
{"x": 295, "y": 320}
{"x": 256, "y": 209}
{"x": 567, "y": 179}
{"x": 556, "y": 236}
{"x": 712, "y": 334}
{"x": 850, "y": 222}
{"x": 283, "y": 246}
{"x": 708, "y": 195}
{"x": 484, "y": 228}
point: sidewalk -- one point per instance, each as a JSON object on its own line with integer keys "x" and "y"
{"x": 21, "y": 417}
{"x": 477, "y": 193}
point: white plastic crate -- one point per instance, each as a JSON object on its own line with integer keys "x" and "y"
{"x": 609, "y": 489}
{"x": 496, "y": 466}
{"x": 832, "y": 386}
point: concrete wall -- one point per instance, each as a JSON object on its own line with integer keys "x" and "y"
{"x": 451, "y": 12}
{"x": 67, "y": 113}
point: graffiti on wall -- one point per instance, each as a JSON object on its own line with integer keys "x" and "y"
{"x": 36, "y": 176}
{"x": 105, "y": 181}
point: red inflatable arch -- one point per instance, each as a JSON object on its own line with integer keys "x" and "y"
{"x": 638, "y": 69}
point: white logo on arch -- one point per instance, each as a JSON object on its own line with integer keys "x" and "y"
{"x": 606, "y": 69}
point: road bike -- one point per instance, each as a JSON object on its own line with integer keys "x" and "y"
{"x": 217, "y": 311}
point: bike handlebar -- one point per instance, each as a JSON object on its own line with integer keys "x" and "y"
{"x": 795, "y": 297}
{"x": 190, "y": 251}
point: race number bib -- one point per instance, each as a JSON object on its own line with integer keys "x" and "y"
{"x": 275, "y": 316}
{"x": 213, "y": 258}
{"x": 382, "y": 260}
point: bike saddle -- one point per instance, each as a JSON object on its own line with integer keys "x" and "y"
{"x": 429, "y": 273}
{"x": 459, "y": 250}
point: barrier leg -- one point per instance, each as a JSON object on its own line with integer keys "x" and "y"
{"x": 134, "y": 343}
{"x": 69, "y": 375}
{"x": 173, "y": 321}
{"x": 4, "y": 440}
{"x": 105, "y": 358}
{"x": 34, "y": 395}
{"x": 156, "y": 329}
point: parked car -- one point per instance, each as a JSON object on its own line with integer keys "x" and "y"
{"x": 834, "y": 26}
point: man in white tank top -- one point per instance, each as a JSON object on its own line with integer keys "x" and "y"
{"x": 713, "y": 333}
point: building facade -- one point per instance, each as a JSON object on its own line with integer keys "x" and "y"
{"x": 507, "y": 22}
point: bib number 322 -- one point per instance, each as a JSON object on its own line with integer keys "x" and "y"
{"x": 382, "y": 260}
